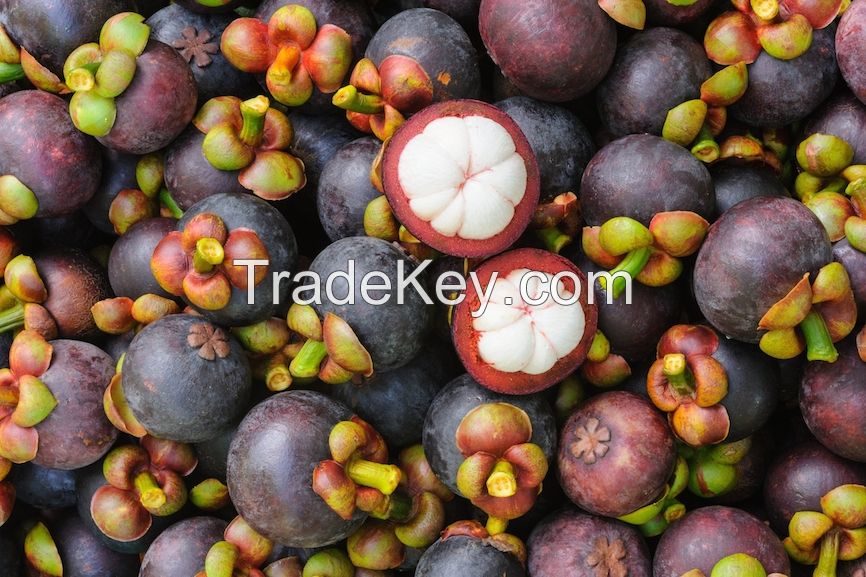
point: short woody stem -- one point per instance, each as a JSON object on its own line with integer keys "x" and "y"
{"x": 208, "y": 254}
{"x": 379, "y": 476}
{"x": 253, "y": 112}
{"x": 677, "y": 373}
{"x": 502, "y": 481}
{"x": 348, "y": 98}
{"x": 306, "y": 364}
{"x": 829, "y": 555}
{"x": 819, "y": 344}
{"x": 149, "y": 492}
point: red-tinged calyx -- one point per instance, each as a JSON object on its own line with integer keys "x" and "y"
{"x": 17, "y": 201}
{"x": 7, "y": 497}
{"x": 264, "y": 338}
{"x": 16, "y": 64}
{"x": 114, "y": 316}
{"x": 295, "y": 54}
{"x": 41, "y": 552}
{"x": 117, "y": 409}
{"x": 824, "y": 155}
{"x": 726, "y": 86}
{"x": 328, "y": 563}
{"x": 684, "y": 122}
{"x": 712, "y": 471}
{"x": 241, "y": 552}
{"x": 731, "y": 38}
{"x": 788, "y": 39}
{"x": 474, "y": 530}
{"x": 132, "y": 205}
{"x": 375, "y": 546}
{"x": 630, "y": 13}
{"x": 22, "y": 279}
{"x": 418, "y": 476}
{"x": 210, "y": 495}
{"x": 379, "y": 220}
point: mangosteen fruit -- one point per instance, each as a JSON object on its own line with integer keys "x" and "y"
{"x": 735, "y": 183}
{"x": 84, "y": 555}
{"x": 850, "y": 36}
{"x": 181, "y": 549}
{"x": 465, "y": 548}
{"x": 854, "y": 262}
{"x": 42, "y": 487}
{"x": 842, "y": 116}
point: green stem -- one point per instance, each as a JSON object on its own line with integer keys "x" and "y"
{"x": 829, "y": 556}
{"x": 166, "y": 200}
{"x": 678, "y": 375}
{"x": 633, "y": 263}
{"x": 10, "y": 72}
{"x": 208, "y": 254}
{"x": 310, "y": 357}
{"x": 379, "y": 476}
{"x": 502, "y": 482}
{"x": 150, "y": 493}
{"x": 253, "y": 112}
{"x": 400, "y": 508}
{"x": 348, "y": 98}
{"x": 12, "y": 318}
{"x": 819, "y": 345}
{"x": 705, "y": 148}
{"x": 496, "y": 525}
{"x": 553, "y": 238}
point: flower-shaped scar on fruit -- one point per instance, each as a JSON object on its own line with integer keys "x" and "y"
{"x": 295, "y": 54}
{"x": 535, "y": 328}
{"x": 462, "y": 178}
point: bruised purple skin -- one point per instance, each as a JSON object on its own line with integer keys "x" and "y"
{"x": 461, "y": 555}
{"x": 84, "y": 555}
{"x": 118, "y": 172}
{"x": 663, "y": 13}
{"x": 850, "y": 42}
{"x": 706, "y": 535}
{"x": 181, "y": 549}
{"x": 655, "y": 71}
{"x": 75, "y": 283}
{"x": 635, "y": 466}
{"x": 43, "y": 149}
{"x": 532, "y": 41}
{"x": 641, "y": 175}
{"x": 345, "y": 189}
{"x": 189, "y": 176}
{"x": 270, "y": 467}
{"x": 562, "y": 542}
{"x": 832, "y": 399}
{"x": 453, "y": 403}
{"x": 843, "y": 116}
{"x": 854, "y": 262}
{"x": 784, "y": 91}
{"x": 129, "y": 262}
{"x": 77, "y": 432}
{"x": 157, "y": 106}
{"x": 803, "y": 474}
{"x": 735, "y": 183}
{"x": 753, "y": 255}
{"x": 438, "y": 44}
{"x": 50, "y": 29}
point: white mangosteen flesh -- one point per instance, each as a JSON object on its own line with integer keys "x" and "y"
{"x": 515, "y": 336}
{"x": 463, "y": 176}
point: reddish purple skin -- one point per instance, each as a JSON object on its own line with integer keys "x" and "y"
{"x": 42, "y": 148}
{"x": 640, "y": 458}
{"x": 181, "y": 549}
{"x": 798, "y": 479}
{"x": 754, "y": 254}
{"x": 77, "y": 432}
{"x": 157, "y": 106}
{"x": 663, "y": 13}
{"x": 843, "y": 116}
{"x": 854, "y": 262}
{"x": 851, "y": 48}
{"x": 533, "y": 42}
{"x": 561, "y": 543}
{"x": 706, "y": 535}
{"x": 833, "y": 399}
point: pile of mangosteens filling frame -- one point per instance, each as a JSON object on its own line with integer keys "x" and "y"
{"x": 443, "y": 288}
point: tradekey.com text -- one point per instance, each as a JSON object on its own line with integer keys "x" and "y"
{"x": 378, "y": 287}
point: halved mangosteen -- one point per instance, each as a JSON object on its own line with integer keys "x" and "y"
{"x": 462, "y": 177}
{"x": 536, "y": 328}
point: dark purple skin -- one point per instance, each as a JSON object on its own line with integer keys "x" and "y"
{"x": 438, "y": 44}
{"x": 453, "y": 403}
{"x": 157, "y": 106}
{"x": 129, "y": 262}
{"x": 784, "y": 91}
{"x": 189, "y": 176}
{"x": 50, "y": 29}
{"x": 75, "y": 282}
{"x": 639, "y": 461}
{"x": 118, "y": 172}
{"x": 843, "y": 116}
{"x": 72, "y": 230}
{"x": 43, "y": 149}
{"x": 84, "y": 555}
{"x": 345, "y": 189}
{"x": 412, "y": 388}
{"x": 42, "y": 487}
{"x": 641, "y": 175}
{"x": 654, "y": 71}
{"x": 561, "y": 543}
{"x": 77, "y": 432}
{"x": 463, "y": 11}
{"x": 181, "y": 549}
{"x": 217, "y": 77}
{"x": 270, "y": 468}
{"x": 561, "y": 143}
{"x": 392, "y": 333}
{"x": 754, "y": 254}
{"x": 854, "y": 262}
{"x": 706, "y": 535}
{"x": 850, "y": 40}
{"x": 462, "y": 555}
{"x": 213, "y": 455}
{"x": 663, "y": 13}
{"x": 800, "y": 476}
{"x": 735, "y": 183}
{"x": 211, "y": 396}
{"x": 832, "y": 399}
{"x": 242, "y": 210}
{"x": 532, "y": 43}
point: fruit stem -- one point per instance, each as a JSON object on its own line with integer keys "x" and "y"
{"x": 677, "y": 372}
{"x": 12, "y": 318}
{"x": 379, "y": 476}
{"x": 705, "y": 147}
{"x": 502, "y": 481}
{"x": 253, "y": 112}
{"x": 399, "y": 508}
{"x": 83, "y": 78}
{"x": 496, "y": 525}
{"x": 828, "y": 556}
{"x": 166, "y": 200}
{"x": 819, "y": 345}
{"x": 310, "y": 357}
{"x": 208, "y": 254}
{"x": 553, "y": 238}
{"x": 10, "y": 72}
{"x": 349, "y": 98}
{"x": 633, "y": 263}
{"x": 150, "y": 493}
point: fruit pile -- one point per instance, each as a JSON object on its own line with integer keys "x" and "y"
{"x": 444, "y": 288}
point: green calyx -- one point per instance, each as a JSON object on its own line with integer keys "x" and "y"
{"x": 17, "y": 201}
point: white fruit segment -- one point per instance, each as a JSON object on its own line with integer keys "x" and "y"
{"x": 519, "y": 337}
{"x": 463, "y": 176}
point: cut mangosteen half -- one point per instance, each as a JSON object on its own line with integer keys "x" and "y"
{"x": 461, "y": 177}
{"x": 536, "y": 327}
